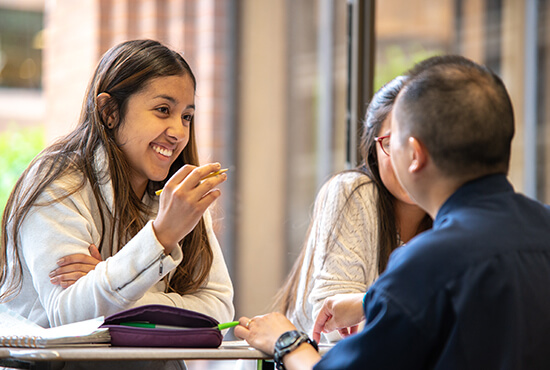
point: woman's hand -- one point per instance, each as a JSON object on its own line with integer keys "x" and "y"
{"x": 184, "y": 200}
{"x": 342, "y": 312}
{"x": 74, "y": 266}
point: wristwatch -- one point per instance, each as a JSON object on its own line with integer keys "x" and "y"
{"x": 288, "y": 342}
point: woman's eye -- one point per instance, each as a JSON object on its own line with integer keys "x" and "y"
{"x": 187, "y": 117}
{"x": 163, "y": 110}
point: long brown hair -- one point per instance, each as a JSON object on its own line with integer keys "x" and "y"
{"x": 123, "y": 71}
{"x": 377, "y": 111}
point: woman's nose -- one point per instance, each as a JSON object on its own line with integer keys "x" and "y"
{"x": 177, "y": 129}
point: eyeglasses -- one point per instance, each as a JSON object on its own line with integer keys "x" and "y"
{"x": 384, "y": 142}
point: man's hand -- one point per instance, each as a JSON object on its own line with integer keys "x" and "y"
{"x": 342, "y": 312}
{"x": 262, "y": 332}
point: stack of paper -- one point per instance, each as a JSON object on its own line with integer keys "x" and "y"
{"x": 17, "y": 331}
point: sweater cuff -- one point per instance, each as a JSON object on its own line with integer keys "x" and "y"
{"x": 140, "y": 264}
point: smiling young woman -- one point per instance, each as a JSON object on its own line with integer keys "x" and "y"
{"x": 155, "y": 129}
{"x": 96, "y": 186}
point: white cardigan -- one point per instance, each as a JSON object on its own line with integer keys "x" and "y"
{"x": 344, "y": 242}
{"x": 132, "y": 277}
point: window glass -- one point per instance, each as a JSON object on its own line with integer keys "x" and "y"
{"x": 317, "y": 72}
{"x": 20, "y": 48}
{"x": 543, "y": 102}
{"x": 491, "y": 32}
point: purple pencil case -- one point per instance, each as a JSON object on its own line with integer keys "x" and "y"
{"x": 200, "y": 330}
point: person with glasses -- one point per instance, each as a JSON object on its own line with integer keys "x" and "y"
{"x": 360, "y": 216}
{"x": 470, "y": 293}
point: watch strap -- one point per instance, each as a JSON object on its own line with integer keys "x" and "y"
{"x": 281, "y": 351}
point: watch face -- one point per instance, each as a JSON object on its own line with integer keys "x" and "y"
{"x": 288, "y": 338}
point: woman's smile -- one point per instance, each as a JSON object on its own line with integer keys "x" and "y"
{"x": 164, "y": 152}
{"x": 155, "y": 128}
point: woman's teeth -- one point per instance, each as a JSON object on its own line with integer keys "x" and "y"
{"x": 165, "y": 152}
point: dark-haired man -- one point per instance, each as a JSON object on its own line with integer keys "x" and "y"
{"x": 474, "y": 291}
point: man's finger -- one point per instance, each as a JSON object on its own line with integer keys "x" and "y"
{"x": 319, "y": 326}
{"x": 343, "y": 332}
{"x": 241, "y": 331}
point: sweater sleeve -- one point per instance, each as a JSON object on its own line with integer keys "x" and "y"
{"x": 214, "y": 298}
{"x": 124, "y": 280}
{"x": 344, "y": 239}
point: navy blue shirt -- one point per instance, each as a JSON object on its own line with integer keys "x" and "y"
{"x": 471, "y": 293}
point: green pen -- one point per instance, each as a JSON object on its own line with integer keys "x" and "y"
{"x": 149, "y": 325}
{"x": 228, "y": 325}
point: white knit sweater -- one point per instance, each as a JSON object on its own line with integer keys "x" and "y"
{"x": 132, "y": 277}
{"x": 343, "y": 240}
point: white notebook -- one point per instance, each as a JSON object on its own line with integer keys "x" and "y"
{"x": 17, "y": 331}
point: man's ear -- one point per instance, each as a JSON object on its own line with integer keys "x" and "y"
{"x": 419, "y": 155}
{"x": 107, "y": 109}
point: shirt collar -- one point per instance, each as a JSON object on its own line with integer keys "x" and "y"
{"x": 471, "y": 191}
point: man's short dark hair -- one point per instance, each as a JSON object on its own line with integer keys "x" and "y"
{"x": 461, "y": 112}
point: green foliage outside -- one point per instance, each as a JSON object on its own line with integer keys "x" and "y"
{"x": 17, "y": 148}
{"x": 396, "y": 61}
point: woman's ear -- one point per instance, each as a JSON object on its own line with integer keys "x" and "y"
{"x": 107, "y": 109}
